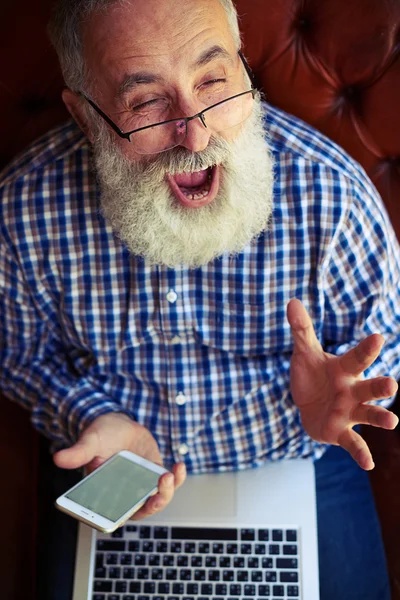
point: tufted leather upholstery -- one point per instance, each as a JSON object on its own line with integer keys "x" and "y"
{"x": 333, "y": 63}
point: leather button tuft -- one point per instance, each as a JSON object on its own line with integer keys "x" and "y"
{"x": 304, "y": 23}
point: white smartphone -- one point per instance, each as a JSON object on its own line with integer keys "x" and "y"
{"x": 110, "y": 495}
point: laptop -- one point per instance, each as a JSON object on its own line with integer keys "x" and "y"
{"x": 247, "y": 535}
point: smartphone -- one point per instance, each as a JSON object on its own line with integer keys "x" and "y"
{"x": 106, "y": 498}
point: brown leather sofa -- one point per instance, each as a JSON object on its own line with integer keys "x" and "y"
{"x": 333, "y": 63}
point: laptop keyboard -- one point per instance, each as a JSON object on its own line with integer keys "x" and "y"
{"x": 155, "y": 562}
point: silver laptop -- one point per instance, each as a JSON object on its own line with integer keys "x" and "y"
{"x": 248, "y": 535}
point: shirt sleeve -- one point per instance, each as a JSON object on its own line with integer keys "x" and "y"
{"x": 362, "y": 283}
{"x": 38, "y": 372}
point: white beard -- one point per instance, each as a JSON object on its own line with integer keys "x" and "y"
{"x": 142, "y": 210}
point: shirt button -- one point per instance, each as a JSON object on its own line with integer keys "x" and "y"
{"x": 183, "y": 449}
{"x": 180, "y": 399}
{"x": 172, "y": 296}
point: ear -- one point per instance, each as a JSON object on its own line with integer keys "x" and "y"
{"x": 73, "y": 102}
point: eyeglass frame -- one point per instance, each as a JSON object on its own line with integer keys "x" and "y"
{"x": 199, "y": 115}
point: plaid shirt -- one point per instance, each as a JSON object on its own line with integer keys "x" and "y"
{"x": 200, "y": 357}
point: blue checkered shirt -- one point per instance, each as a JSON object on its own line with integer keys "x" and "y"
{"x": 200, "y": 357}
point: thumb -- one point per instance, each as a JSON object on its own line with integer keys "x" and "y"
{"x": 302, "y": 328}
{"x": 82, "y": 453}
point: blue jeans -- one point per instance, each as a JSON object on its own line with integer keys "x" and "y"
{"x": 352, "y": 562}
{"x": 351, "y": 557}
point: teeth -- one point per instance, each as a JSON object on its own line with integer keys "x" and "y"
{"x": 197, "y": 196}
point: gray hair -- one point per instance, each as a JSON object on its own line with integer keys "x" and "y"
{"x": 65, "y": 34}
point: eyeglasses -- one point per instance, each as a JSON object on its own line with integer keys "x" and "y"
{"x": 156, "y": 137}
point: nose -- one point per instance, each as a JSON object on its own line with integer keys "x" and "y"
{"x": 197, "y": 137}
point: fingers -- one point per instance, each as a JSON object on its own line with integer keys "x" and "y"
{"x": 167, "y": 485}
{"x": 377, "y": 416}
{"x": 357, "y": 447}
{"x": 359, "y": 358}
{"x": 302, "y": 328}
{"x": 78, "y": 455}
{"x": 375, "y": 389}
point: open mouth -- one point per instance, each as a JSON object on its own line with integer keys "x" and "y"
{"x": 195, "y": 190}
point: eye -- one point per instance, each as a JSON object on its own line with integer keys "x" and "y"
{"x": 213, "y": 82}
{"x": 148, "y": 104}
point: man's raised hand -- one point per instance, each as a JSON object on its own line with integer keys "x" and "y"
{"x": 330, "y": 391}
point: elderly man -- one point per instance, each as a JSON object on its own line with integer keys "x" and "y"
{"x": 150, "y": 264}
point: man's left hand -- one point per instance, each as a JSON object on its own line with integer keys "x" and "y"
{"x": 330, "y": 391}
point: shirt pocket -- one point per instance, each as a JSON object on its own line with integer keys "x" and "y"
{"x": 245, "y": 329}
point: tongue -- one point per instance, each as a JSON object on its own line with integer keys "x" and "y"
{"x": 189, "y": 180}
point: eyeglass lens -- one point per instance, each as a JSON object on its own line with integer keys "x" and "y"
{"x": 165, "y": 136}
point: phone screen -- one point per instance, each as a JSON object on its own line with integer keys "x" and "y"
{"x": 114, "y": 489}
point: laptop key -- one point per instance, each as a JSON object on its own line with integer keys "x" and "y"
{"x": 154, "y": 560}
{"x": 149, "y": 587}
{"x": 256, "y": 576}
{"x": 253, "y": 562}
{"x": 286, "y": 563}
{"x": 289, "y": 577}
{"x": 135, "y": 587}
{"x": 192, "y": 589}
{"x": 144, "y": 532}
{"x": 114, "y": 572}
{"x": 263, "y": 535}
{"x": 274, "y": 549}
{"x": 196, "y": 561}
{"x": 221, "y": 589}
{"x": 100, "y": 573}
{"x": 249, "y": 590}
{"x": 247, "y": 535}
{"x": 168, "y": 560}
{"x": 162, "y": 547}
{"x": 291, "y": 535}
{"x": 245, "y": 549}
{"x": 232, "y": 549}
{"x": 121, "y": 587}
{"x": 171, "y": 574}
{"x": 289, "y": 549}
{"x": 228, "y": 575}
{"x": 235, "y": 589}
{"x": 111, "y": 545}
{"x": 133, "y": 546}
{"x": 238, "y": 562}
{"x": 163, "y": 587}
{"x": 270, "y": 576}
{"x": 206, "y": 589}
{"x": 267, "y": 562}
{"x": 125, "y": 559}
{"x": 293, "y": 591}
{"x": 278, "y": 590}
{"x": 160, "y": 533}
{"x": 98, "y": 597}
{"x": 264, "y": 590}
{"x": 277, "y": 535}
{"x": 102, "y": 586}
{"x": 178, "y": 589}
{"x": 224, "y": 561}
{"x": 128, "y": 573}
